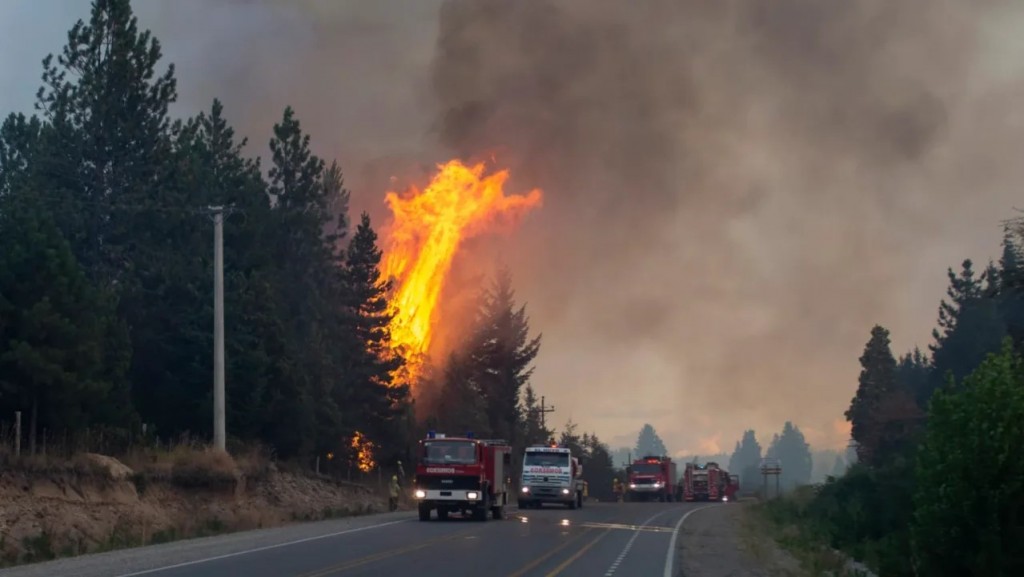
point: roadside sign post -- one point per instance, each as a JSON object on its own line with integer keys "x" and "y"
{"x": 771, "y": 466}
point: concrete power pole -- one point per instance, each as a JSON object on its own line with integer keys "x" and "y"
{"x": 219, "y": 429}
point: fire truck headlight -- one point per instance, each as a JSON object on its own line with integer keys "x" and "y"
{"x": 632, "y": 485}
{"x": 565, "y": 491}
{"x": 472, "y": 495}
{"x": 657, "y": 485}
{"x": 526, "y": 489}
{"x": 725, "y": 499}
{"x": 421, "y": 494}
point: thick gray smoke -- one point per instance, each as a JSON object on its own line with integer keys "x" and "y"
{"x": 735, "y": 190}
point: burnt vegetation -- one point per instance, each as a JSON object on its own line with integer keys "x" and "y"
{"x": 106, "y": 281}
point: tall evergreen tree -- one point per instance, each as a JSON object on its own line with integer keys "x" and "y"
{"x": 746, "y": 459}
{"x": 503, "y": 354}
{"x": 970, "y": 325}
{"x": 649, "y": 443}
{"x": 460, "y": 405}
{"x": 106, "y": 141}
{"x": 371, "y": 396}
{"x": 877, "y": 378}
{"x": 913, "y": 374}
{"x": 63, "y": 352}
{"x": 792, "y": 450}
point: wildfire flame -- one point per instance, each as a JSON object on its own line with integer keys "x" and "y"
{"x": 424, "y": 235}
{"x": 363, "y": 449}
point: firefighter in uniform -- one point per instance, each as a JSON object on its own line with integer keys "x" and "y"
{"x": 393, "y": 497}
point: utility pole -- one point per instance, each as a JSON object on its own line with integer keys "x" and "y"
{"x": 543, "y": 411}
{"x": 219, "y": 430}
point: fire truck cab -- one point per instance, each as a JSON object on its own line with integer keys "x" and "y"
{"x": 462, "y": 474}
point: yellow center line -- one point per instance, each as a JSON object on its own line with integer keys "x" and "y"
{"x": 537, "y": 561}
{"x": 577, "y": 555}
{"x": 351, "y": 564}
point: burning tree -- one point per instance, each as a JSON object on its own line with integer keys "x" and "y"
{"x": 363, "y": 452}
{"x": 424, "y": 236}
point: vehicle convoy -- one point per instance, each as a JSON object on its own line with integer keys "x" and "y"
{"x": 708, "y": 482}
{"x": 652, "y": 478}
{"x": 551, "y": 474}
{"x": 462, "y": 474}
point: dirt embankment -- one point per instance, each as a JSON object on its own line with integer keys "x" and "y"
{"x": 96, "y": 503}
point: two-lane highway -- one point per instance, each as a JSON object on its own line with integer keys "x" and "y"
{"x": 602, "y": 539}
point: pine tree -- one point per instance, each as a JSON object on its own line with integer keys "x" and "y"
{"x": 503, "y": 354}
{"x": 368, "y": 378}
{"x": 792, "y": 450}
{"x": 63, "y": 353}
{"x": 19, "y": 144}
{"x": 649, "y": 443}
{"x": 913, "y": 374}
{"x": 1011, "y": 280}
{"x": 877, "y": 378}
{"x": 746, "y": 459}
{"x": 106, "y": 139}
{"x": 309, "y": 279}
{"x": 460, "y": 404}
{"x": 970, "y": 325}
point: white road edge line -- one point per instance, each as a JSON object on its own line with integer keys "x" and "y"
{"x": 264, "y": 548}
{"x": 670, "y": 557}
{"x": 625, "y": 551}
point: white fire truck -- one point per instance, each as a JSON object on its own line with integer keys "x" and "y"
{"x": 551, "y": 474}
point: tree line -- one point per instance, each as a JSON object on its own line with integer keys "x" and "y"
{"x": 938, "y": 487}
{"x": 106, "y": 276}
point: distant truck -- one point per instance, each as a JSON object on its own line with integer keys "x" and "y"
{"x": 551, "y": 474}
{"x": 708, "y": 482}
{"x": 462, "y": 474}
{"x": 652, "y": 478}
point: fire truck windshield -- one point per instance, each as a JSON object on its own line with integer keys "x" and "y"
{"x": 546, "y": 460}
{"x": 449, "y": 453}
{"x": 646, "y": 469}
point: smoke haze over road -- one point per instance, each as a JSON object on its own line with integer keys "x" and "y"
{"x": 734, "y": 193}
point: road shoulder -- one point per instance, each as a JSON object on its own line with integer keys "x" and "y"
{"x": 727, "y": 541}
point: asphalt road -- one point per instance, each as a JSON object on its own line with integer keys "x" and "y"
{"x": 602, "y": 539}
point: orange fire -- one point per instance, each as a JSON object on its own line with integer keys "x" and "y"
{"x": 363, "y": 449}
{"x": 423, "y": 237}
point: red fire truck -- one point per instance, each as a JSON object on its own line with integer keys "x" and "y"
{"x": 708, "y": 482}
{"x": 462, "y": 474}
{"x": 651, "y": 478}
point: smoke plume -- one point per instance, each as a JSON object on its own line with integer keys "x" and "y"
{"x": 735, "y": 190}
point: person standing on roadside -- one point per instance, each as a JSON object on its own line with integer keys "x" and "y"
{"x": 393, "y": 497}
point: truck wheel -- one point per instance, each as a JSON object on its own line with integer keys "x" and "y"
{"x": 480, "y": 513}
{"x": 523, "y": 505}
{"x": 579, "y": 497}
{"x": 498, "y": 512}
{"x": 424, "y": 510}
{"x": 572, "y": 504}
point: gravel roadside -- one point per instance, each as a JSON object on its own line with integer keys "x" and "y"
{"x": 717, "y": 542}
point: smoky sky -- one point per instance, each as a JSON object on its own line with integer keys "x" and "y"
{"x": 735, "y": 191}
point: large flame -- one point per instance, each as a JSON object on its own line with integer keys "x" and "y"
{"x": 424, "y": 235}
